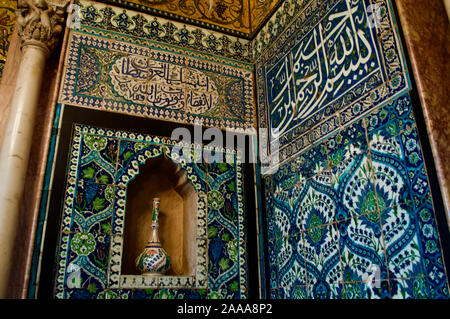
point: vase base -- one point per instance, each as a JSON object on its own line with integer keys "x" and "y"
{"x": 152, "y": 273}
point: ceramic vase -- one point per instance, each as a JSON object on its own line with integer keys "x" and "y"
{"x": 154, "y": 260}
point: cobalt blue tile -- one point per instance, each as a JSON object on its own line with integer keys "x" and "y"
{"x": 410, "y": 288}
{"x": 144, "y": 293}
{"x": 365, "y": 290}
{"x": 88, "y": 260}
{"x": 402, "y": 241}
{"x": 292, "y": 266}
{"x": 317, "y": 205}
{"x": 93, "y": 207}
{"x": 286, "y": 176}
{"x": 273, "y": 262}
{"x": 362, "y": 249}
{"x": 324, "y": 290}
{"x": 97, "y": 162}
{"x": 322, "y": 256}
{"x": 286, "y": 211}
{"x": 353, "y": 187}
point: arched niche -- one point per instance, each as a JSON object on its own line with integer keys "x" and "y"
{"x": 161, "y": 177}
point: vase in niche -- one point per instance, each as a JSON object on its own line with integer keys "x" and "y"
{"x": 154, "y": 260}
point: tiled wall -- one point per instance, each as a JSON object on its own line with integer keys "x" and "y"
{"x": 102, "y": 163}
{"x": 349, "y": 211}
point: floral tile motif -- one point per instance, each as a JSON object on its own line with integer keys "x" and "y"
{"x": 364, "y": 290}
{"x": 292, "y": 269}
{"x": 92, "y": 227}
{"x": 286, "y": 211}
{"x": 362, "y": 248}
{"x": 295, "y": 292}
{"x": 317, "y": 205}
{"x": 353, "y": 185}
{"x": 325, "y": 291}
{"x": 402, "y": 242}
{"x": 322, "y": 259}
{"x": 411, "y": 288}
{"x": 93, "y": 208}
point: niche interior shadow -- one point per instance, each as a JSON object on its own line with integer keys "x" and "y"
{"x": 160, "y": 177}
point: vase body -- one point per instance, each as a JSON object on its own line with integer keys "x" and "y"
{"x": 154, "y": 260}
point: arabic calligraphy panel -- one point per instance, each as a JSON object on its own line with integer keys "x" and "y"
{"x": 151, "y": 82}
{"x": 334, "y": 60}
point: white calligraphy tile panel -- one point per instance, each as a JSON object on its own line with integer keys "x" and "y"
{"x": 331, "y": 61}
{"x": 150, "y": 82}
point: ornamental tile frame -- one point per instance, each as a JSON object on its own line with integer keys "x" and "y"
{"x": 242, "y": 18}
{"x": 92, "y": 222}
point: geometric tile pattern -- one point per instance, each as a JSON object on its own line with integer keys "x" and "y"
{"x": 357, "y": 221}
{"x": 333, "y": 64}
{"x": 101, "y": 164}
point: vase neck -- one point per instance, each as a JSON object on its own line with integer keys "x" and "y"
{"x": 155, "y": 216}
{"x": 154, "y": 238}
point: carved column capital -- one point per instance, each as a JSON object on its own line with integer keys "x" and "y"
{"x": 40, "y": 22}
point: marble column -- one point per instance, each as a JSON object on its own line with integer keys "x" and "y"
{"x": 39, "y": 25}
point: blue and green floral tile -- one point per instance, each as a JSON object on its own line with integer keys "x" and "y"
{"x": 324, "y": 290}
{"x": 392, "y": 118}
{"x": 88, "y": 261}
{"x": 390, "y": 173}
{"x": 272, "y": 248}
{"x": 231, "y": 288}
{"x": 93, "y": 207}
{"x": 286, "y": 212}
{"x": 362, "y": 248}
{"x": 414, "y": 163}
{"x": 410, "y": 288}
{"x": 400, "y": 232}
{"x": 295, "y": 292}
{"x": 353, "y": 187}
{"x": 98, "y": 159}
{"x": 83, "y": 293}
{"x": 317, "y": 204}
{"x": 322, "y": 257}
{"x": 285, "y": 253}
{"x": 223, "y": 264}
{"x": 171, "y": 294}
{"x": 431, "y": 250}
{"x": 347, "y": 143}
{"x": 292, "y": 267}
{"x": 286, "y": 176}
{"x": 273, "y": 231}
{"x": 115, "y": 294}
{"x": 144, "y": 294}
{"x": 315, "y": 160}
{"x": 367, "y": 290}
